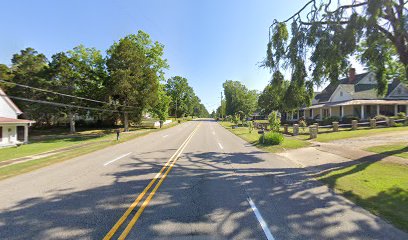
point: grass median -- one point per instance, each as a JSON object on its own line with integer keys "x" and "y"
{"x": 253, "y": 137}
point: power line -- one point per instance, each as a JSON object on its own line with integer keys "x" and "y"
{"x": 61, "y": 94}
{"x": 61, "y": 104}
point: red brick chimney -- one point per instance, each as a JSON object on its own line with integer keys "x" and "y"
{"x": 352, "y": 75}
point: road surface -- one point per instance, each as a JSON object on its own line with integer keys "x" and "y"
{"x": 214, "y": 186}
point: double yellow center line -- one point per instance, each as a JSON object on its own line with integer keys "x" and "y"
{"x": 160, "y": 175}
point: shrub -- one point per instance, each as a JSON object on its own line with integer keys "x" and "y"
{"x": 274, "y": 121}
{"x": 235, "y": 119}
{"x": 401, "y": 115}
{"x": 330, "y": 120}
{"x": 271, "y": 138}
{"x": 381, "y": 118}
{"x": 349, "y": 118}
{"x": 302, "y": 124}
{"x": 250, "y": 126}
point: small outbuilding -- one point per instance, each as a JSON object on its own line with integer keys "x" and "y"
{"x": 13, "y": 131}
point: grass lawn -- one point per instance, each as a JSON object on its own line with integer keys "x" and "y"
{"x": 326, "y": 137}
{"x": 96, "y": 142}
{"x": 243, "y": 132}
{"x": 381, "y": 188}
{"x": 399, "y": 150}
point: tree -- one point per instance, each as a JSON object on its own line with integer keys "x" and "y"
{"x": 274, "y": 121}
{"x": 28, "y": 67}
{"x": 327, "y": 34}
{"x": 239, "y": 98}
{"x": 181, "y": 95}
{"x": 273, "y": 96}
{"x": 161, "y": 108}
{"x": 135, "y": 66}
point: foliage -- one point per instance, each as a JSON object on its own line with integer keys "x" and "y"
{"x": 302, "y": 124}
{"x": 328, "y": 33}
{"x": 235, "y": 119}
{"x": 349, "y": 118}
{"x": 330, "y": 120}
{"x": 183, "y": 99}
{"x": 401, "y": 115}
{"x": 239, "y": 99}
{"x": 272, "y": 97}
{"x": 271, "y": 138}
{"x": 133, "y": 80}
{"x": 274, "y": 121}
{"x": 161, "y": 108}
{"x": 381, "y": 118}
{"x": 250, "y": 126}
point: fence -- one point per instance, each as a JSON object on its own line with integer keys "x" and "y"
{"x": 354, "y": 125}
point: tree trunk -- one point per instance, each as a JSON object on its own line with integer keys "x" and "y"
{"x": 126, "y": 122}
{"x": 71, "y": 122}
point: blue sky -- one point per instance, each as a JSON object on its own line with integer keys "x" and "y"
{"x": 207, "y": 41}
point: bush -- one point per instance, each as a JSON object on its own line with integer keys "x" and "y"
{"x": 274, "y": 121}
{"x": 401, "y": 115}
{"x": 330, "y": 120}
{"x": 271, "y": 138}
{"x": 348, "y": 119}
{"x": 302, "y": 124}
{"x": 381, "y": 118}
{"x": 250, "y": 126}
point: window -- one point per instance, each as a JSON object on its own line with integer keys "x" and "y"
{"x": 341, "y": 94}
{"x": 325, "y": 112}
{"x": 1, "y": 133}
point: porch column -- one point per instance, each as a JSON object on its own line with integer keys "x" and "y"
{"x": 26, "y": 133}
{"x": 378, "y": 110}
{"x": 321, "y": 113}
{"x": 395, "y": 110}
{"x": 330, "y": 112}
{"x": 311, "y": 116}
{"x": 298, "y": 117}
{"x": 342, "y": 111}
{"x": 362, "y": 111}
{"x": 406, "y": 110}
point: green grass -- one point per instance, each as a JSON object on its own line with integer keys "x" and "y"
{"x": 381, "y": 188}
{"x": 56, "y": 143}
{"x": 288, "y": 143}
{"x": 326, "y": 137}
{"x": 399, "y": 150}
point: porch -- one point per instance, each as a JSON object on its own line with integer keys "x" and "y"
{"x": 13, "y": 131}
{"x": 363, "y": 109}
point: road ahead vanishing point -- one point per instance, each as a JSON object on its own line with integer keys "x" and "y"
{"x": 193, "y": 181}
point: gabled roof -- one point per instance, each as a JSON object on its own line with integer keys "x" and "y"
{"x": 325, "y": 95}
{"x": 9, "y": 102}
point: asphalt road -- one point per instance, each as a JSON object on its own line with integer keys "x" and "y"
{"x": 214, "y": 186}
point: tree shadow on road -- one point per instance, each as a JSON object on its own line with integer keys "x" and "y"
{"x": 204, "y": 195}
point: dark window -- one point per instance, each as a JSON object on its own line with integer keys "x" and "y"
{"x": 1, "y": 133}
{"x": 20, "y": 133}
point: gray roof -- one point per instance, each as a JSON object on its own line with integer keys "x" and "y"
{"x": 357, "y": 91}
{"x": 325, "y": 95}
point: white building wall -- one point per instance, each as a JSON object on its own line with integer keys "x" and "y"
{"x": 340, "y": 95}
{"x": 6, "y": 110}
{"x": 9, "y": 137}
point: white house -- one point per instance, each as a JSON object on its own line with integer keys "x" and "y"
{"x": 355, "y": 95}
{"x": 12, "y": 129}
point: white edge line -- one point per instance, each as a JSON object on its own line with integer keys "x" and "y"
{"x": 122, "y": 156}
{"x": 219, "y": 144}
{"x": 261, "y": 221}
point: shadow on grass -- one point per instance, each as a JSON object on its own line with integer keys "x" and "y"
{"x": 390, "y": 204}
